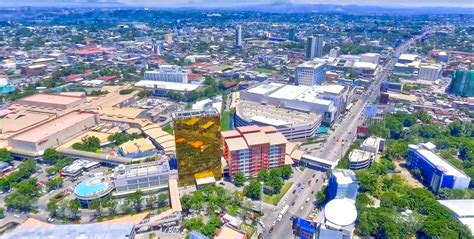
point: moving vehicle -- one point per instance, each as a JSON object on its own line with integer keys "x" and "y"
{"x": 307, "y": 199}
{"x": 283, "y": 211}
{"x": 270, "y": 230}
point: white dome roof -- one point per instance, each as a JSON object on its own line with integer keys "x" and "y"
{"x": 341, "y": 212}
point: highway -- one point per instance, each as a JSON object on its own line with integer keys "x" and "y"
{"x": 333, "y": 149}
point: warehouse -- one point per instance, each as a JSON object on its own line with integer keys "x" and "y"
{"x": 54, "y": 133}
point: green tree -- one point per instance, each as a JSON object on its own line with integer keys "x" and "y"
{"x": 150, "y": 201}
{"x": 5, "y": 156}
{"x": 54, "y": 183}
{"x": 239, "y": 179}
{"x": 50, "y": 155}
{"x": 136, "y": 199}
{"x": 112, "y": 206}
{"x": 96, "y": 205}
{"x": 52, "y": 207}
{"x": 253, "y": 189}
{"x": 163, "y": 199}
{"x": 456, "y": 128}
{"x": 263, "y": 175}
{"x": 286, "y": 171}
{"x": 2, "y": 212}
{"x": 321, "y": 197}
{"x": 74, "y": 208}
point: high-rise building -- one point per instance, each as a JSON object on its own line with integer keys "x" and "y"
{"x": 462, "y": 83}
{"x": 310, "y": 45}
{"x": 156, "y": 48}
{"x": 238, "y": 36}
{"x": 429, "y": 72}
{"x": 318, "y": 47}
{"x": 167, "y": 73}
{"x": 198, "y": 144}
{"x": 292, "y": 34}
{"x": 251, "y": 148}
{"x": 314, "y": 47}
{"x": 310, "y": 73}
{"x": 342, "y": 184}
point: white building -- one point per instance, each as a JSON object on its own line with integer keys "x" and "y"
{"x": 310, "y": 73}
{"x": 370, "y": 57}
{"x": 328, "y": 100}
{"x": 167, "y": 73}
{"x": 293, "y": 124}
{"x": 335, "y": 52}
{"x": 360, "y": 159}
{"x": 339, "y": 219}
{"x": 429, "y": 72}
{"x": 462, "y": 210}
{"x": 373, "y": 145}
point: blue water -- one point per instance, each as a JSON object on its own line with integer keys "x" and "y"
{"x": 90, "y": 186}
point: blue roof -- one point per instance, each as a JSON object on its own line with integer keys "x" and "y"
{"x": 304, "y": 225}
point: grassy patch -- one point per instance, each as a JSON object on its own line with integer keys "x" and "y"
{"x": 249, "y": 230}
{"x": 168, "y": 129}
{"x": 224, "y": 67}
{"x": 274, "y": 199}
{"x": 264, "y": 70}
{"x": 225, "y": 118}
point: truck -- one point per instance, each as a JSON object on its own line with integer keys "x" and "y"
{"x": 283, "y": 211}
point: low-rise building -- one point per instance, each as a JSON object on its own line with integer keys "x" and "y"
{"x": 167, "y": 73}
{"x": 293, "y": 124}
{"x": 339, "y": 219}
{"x": 373, "y": 144}
{"x": 462, "y": 210}
{"x": 148, "y": 177}
{"x": 437, "y": 172}
{"x": 360, "y": 159}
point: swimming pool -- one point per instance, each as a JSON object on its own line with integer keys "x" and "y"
{"x": 92, "y": 188}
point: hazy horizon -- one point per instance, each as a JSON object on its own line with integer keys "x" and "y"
{"x": 225, "y": 3}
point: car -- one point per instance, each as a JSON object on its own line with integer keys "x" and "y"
{"x": 298, "y": 185}
{"x": 274, "y": 222}
{"x": 317, "y": 180}
{"x": 307, "y": 199}
{"x": 50, "y": 219}
{"x": 16, "y": 215}
{"x": 314, "y": 175}
{"x": 301, "y": 209}
{"x": 293, "y": 203}
{"x": 312, "y": 192}
{"x": 222, "y": 183}
{"x": 270, "y": 230}
{"x": 294, "y": 191}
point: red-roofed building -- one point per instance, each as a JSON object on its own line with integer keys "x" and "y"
{"x": 109, "y": 78}
{"x": 73, "y": 78}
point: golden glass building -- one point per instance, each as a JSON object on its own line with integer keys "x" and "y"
{"x": 198, "y": 144}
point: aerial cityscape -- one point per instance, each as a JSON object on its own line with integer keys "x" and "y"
{"x": 215, "y": 119}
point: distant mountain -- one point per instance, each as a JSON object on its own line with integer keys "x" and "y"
{"x": 350, "y": 9}
{"x": 249, "y": 5}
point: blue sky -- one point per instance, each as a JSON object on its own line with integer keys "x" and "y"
{"x": 451, "y": 3}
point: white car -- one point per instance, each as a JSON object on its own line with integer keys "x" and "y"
{"x": 274, "y": 222}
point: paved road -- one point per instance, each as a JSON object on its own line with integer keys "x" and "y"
{"x": 282, "y": 229}
{"x": 334, "y": 148}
